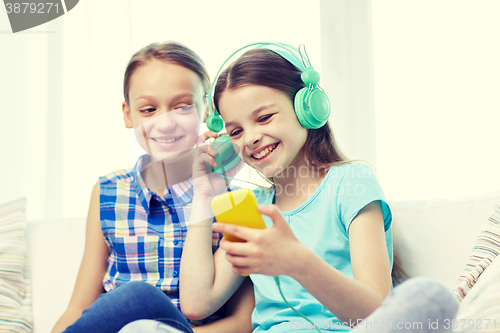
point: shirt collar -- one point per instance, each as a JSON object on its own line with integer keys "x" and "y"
{"x": 182, "y": 191}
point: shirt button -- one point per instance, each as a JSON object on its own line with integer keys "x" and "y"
{"x": 175, "y": 273}
{"x": 176, "y": 242}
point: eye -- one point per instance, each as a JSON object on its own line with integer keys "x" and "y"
{"x": 186, "y": 108}
{"x": 264, "y": 118}
{"x": 147, "y": 111}
{"x": 235, "y": 132}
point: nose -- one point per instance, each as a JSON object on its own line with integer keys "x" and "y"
{"x": 252, "y": 138}
{"x": 164, "y": 122}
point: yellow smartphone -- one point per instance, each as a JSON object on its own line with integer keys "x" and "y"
{"x": 238, "y": 207}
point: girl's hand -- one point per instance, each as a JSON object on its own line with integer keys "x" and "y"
{"x": 207, "y": 183}
{"x": 272, "y": 251}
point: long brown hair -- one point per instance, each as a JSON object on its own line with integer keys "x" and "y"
{"x": 267, "y": 68}
{"x": 169, "y": 52}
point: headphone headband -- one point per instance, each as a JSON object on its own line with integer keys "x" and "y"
{"x": 302, "y": 64}
{"x": 311, "y": 103}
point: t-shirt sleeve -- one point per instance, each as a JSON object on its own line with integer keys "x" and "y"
{"x": 358, "y": 187}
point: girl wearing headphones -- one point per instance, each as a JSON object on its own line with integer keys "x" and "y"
{"x": 330, "y": 242}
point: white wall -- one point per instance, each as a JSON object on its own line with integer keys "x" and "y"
{"x": 436, "y": 95}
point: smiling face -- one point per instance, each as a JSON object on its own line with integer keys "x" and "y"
{"x": 262, "y": 122}
{"x": 166, "y": 104}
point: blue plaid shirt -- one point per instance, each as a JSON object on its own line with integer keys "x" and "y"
{"x": 145, "y": 233}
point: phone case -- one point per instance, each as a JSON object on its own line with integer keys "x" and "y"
{"x": 238, "y": 207}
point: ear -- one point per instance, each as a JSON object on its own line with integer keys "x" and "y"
{"x": 205, "y": 117}
{"x": 127, "y": 117}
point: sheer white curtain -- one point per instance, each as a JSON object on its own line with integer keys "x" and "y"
{"x": 61, "y": 115}
{"x": 23, "y": 109}
{"x": 346, "y": 46}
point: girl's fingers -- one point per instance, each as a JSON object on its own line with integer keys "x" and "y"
{"x": 206, "y": 155}
{"x": 237, "y": 249}
{"x": 242, "y": 264}
{"x": 207, "y": 159}
{"x": 205, "y": 136}
{"x": 239, "y": 261}
{"x": 269, "y": 210}
{"x": 207, "y": 149}
{"x": 234, "y": 230}
{"x": 210, "y": 134}
{"x": 273, "y": 212}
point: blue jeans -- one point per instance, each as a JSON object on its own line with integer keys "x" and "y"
{"x": 418, "y": 305}
{"x": 127, "y": 303}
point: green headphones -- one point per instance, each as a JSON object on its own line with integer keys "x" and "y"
{"x": 311, "y": 104}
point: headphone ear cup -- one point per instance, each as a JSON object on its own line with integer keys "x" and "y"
{"x": 215, "y": 123}
{"x": 319, "y": 107}
{"x": 227, "y": 154}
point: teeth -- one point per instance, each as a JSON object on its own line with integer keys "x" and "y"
{"x": 264, "y": 152}
{"x": 166, "y": 141}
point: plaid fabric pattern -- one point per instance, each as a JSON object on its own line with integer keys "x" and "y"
{"x": 145, "y": 233}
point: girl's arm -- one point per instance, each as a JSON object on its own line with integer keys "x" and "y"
{"x": 276, "y": 251}
{"x": 352, "y": 299}
{"x": 88, "y": 285}
{"x": 238, "y": 311}
{"x": 206, "y": 280}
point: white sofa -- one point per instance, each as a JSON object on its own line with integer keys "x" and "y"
{"x": 434, "y": 238}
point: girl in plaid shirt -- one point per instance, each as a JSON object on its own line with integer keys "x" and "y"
{"x": 137, "y": 219}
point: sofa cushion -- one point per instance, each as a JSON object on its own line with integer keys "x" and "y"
{"x": 15, "y": 283}
{"x": 435, "y": 237}
{"x": 485, "y": 250}
{"x": 480, "y": 310}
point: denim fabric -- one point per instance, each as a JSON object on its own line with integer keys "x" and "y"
{"x": 418, "y": 305}
{"x": 125, "y": 304}
{"x": 148, "y": 325}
